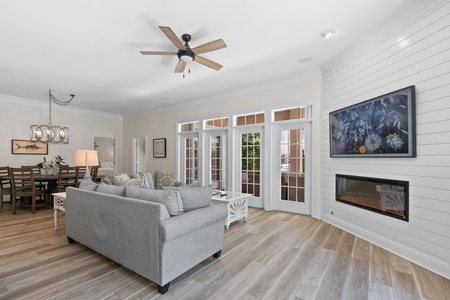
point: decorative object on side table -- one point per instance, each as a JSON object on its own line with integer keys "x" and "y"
{"x": 51, "y": 167}
{"x": 159, "y": 148}
{"x": 27, "y": 147}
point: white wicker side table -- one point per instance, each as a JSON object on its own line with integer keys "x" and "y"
{"x": 237, "y": 205}
{"x": 58, "y": 204}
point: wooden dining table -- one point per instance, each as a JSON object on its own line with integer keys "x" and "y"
{"x": 51, "y": 180}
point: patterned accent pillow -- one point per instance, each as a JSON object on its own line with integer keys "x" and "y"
{"x": 120, "y": 179}
{"x": 150, "y": 179}
{"x": 124, "y": 180}
{"x": 164, "y": 179}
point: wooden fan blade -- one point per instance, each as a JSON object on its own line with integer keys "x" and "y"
{"x": 157, "y": 53}
{"x": 181, "y": 65}
{"x": 211, "y": 46}
{"x": 172, "y": 37}
{"x": 209, "y": 63}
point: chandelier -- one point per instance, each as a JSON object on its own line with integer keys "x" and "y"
{"x": 51, "y": 133}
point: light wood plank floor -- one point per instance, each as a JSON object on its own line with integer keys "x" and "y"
{"x": 274, "y": 255}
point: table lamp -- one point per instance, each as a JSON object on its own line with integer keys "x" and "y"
{"x": 86, "y": 158}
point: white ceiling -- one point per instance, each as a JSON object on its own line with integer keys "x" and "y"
{"x": 91, "y": 47}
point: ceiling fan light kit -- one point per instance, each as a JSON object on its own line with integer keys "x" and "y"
{"x": 186, "y": 54}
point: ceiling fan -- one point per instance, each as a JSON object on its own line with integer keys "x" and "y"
{"x": 186, "y": 54}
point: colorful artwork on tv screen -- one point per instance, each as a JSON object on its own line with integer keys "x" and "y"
{"x": 380, "y": 127}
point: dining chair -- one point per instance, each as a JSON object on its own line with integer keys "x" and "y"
{"x": 37, "y": 170}
{"x": 81, "y": 172}
{"x": 68, "y": 176}
{"x": 94, "y": 172}
{"x": 5, "y": 186}
{"x": 23, "y": 186}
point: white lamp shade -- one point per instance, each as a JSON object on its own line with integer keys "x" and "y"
{"x": 86, "y": 158}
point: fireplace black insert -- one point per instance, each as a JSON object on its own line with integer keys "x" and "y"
{"x": 384, "y": 196}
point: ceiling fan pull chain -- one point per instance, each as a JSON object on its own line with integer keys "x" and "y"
{"x": 189, "y": 70}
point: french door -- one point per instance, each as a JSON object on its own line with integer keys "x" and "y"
{"x": 216, "y": 164}
{"x": 139, "y": 154}
{"x": 291, "y": 158}
{"x": 189, "y": 154}
{"x": 248, "y": 164}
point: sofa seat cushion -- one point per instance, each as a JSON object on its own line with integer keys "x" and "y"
{"x": 170, "y": 199}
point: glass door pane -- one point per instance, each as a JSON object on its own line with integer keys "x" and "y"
{"x": 218, "y": 161}
{"x": 190, "y": 159}
{"x": 292, "y": 150}
{"x": 251, "y": 163}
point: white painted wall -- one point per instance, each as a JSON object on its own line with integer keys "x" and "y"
{"x": 163, "y": 124}
{"x": 18, "y": 114}
{"x": 413, "y": 51}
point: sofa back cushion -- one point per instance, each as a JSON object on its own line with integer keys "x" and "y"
{"x": 195, "y": 197}
{"x": 88, "y": 185}
{"x": 170, "y": 199}
{"x": 111, "y": 189}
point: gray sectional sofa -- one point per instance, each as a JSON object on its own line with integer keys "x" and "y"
{"x": 133, "y": 227}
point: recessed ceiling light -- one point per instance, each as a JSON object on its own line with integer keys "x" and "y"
{"x": 327, "y": 34}
{"x": 305, "y": 59}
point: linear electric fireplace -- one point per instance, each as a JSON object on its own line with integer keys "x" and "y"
{"x": 384, "y": 196}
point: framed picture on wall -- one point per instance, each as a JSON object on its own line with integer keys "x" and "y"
{"x": 384, "y": 126}
{"x": 159, "y": 148}
{"x": 28, "y": 147}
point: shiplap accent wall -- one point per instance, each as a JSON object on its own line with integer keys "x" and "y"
{"x": 415, "y": 50}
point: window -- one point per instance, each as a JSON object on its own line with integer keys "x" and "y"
{"x": 189, "y": 127}
{"x": 216, "y": 123}
{"x": 301, "y": 112}
{"x": 249, "y": 119}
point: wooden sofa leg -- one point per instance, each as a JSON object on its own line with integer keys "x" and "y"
{"x": 163, "y": 289}
{"x": 71, "y": 240}
{"x": 217, "y": 254}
